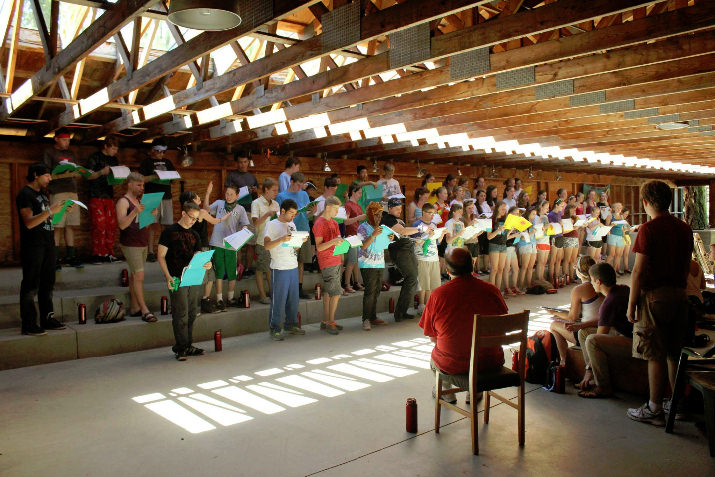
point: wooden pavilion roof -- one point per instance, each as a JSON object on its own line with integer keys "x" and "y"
{"x": 551, "y": 84}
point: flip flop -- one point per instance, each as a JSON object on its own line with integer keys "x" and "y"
{"x": 149, "y": 317}
{"x": 136, "y": 314}
{"x": 593, "y": 394}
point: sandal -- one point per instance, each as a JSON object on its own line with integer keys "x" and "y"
{"x": 136, "y": 314}
{"x": 593, "y": 394}
{"x": 149, "y": 317}
{"x": 349, "y": 289}
{"x": 358, "y": 287}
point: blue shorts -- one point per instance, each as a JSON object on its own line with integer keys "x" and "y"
{"x": 528, "y": 248}
{"x": 497, "y": 248}
{"x": 615, "y": 240}
{"x": 510, "y": 252}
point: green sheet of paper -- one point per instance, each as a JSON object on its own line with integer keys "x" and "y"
{"x": 58, "y": 216}
{"x": 342, "y": 248}
{"x": 308, "y": 206}
{"x": 151, "y": 201}
{"x": 342, "y": 192}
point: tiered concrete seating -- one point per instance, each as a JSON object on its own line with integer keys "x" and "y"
{"x": 94, "y": 283}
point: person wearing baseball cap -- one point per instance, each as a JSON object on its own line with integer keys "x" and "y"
{"x": 402, "y": 255}
{"x": 165, "y": 213}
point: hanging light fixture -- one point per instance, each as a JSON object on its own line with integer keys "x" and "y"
{"x": 326, "y": 166}
{"x": 374, "y": 166}
{"x": 187, "y": 160}
{"x": 493, "y": 174}
{"x": 420, "y": 171}
{"x": 558, "y": 176}
{"x": 459, "y": 172}
{"x": 531, "y": 173}
{"x": 205, "y": 14}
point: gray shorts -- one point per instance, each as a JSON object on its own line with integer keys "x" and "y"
{"x": 264, "y": 259}
{"x": 305, "y": 252}
{"x": 510, "y": 252}
{"x": 352, "y": 255}
{"x": 331, "y": 280}
{"x": 165, "y": 213}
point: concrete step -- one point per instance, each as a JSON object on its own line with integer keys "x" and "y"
{"x": 90, "y": 340}
{"x": 92, "y": 295}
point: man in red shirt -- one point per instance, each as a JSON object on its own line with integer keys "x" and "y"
{"x": 327, "y": 237}
{"x": 448, "y": 320}
{"x": 663, "y": 249}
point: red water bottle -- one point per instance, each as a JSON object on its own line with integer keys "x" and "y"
{"x": 411, "y": 415}
{"x": 217, "y": 340}
{"x": 417, "y": 300}
{"x": 318, "y": 291}
{"x": 125, "y": 278}
{"x": 559, "y": 381}
{"x": 300, "y": 321}
{"x": 82, "y": 314}
{"x": 392, "y": 305}
{"x": 246, "y": 299}
{"x": 164, "y": 305}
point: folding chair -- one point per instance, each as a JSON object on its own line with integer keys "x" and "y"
{"x": 490, "y": 330}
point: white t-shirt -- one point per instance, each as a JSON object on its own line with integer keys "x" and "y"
{"x": 238, "y": 220}
{"x": 390, "y": 187}
{"x": 282, "y": 258}
{"x": 510, "y": 203}
{"x": 259, "y": 208}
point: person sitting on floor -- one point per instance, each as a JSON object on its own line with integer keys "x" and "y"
{"x": 448, "y": 321}
{"x": 613, "y": 338}
{"x": 585, "y": 302}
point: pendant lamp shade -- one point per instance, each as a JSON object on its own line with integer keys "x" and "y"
{"x": 205, "y": 14}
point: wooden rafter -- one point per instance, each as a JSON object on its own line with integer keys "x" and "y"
{"x": 12, "y": 54}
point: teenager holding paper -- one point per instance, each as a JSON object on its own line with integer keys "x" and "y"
{"x": 483, "y": 210}
{"x": 355, "y": 216}
{"x": 557, "y": 242}
{"x": 442, "y": 210}
{"x": 511, "y": 265}
{"x": 455, "y": 228}
{"x": 178, "y": 244}
{"x": 264, "y": 209}
{"x": 62, "y": 190}
{"x": 497, "y": 244}
{"x": 571, "y": 242}
{"x": 296, "y": 193}
{"x": 543, "y": 247}
{"x": 428, "y": 274}
{"x": 102, "y": 214}
{"x": 626, "y": 241}
{"x": 327, "y": 237}
{"x": 134, "y": 241}
{"x": 165, "y": 213}
{"x": 390, "y": 186}
{"x": 371, "y": 260}
{"x": 225, "y": 260}
{"x": 37, "y": 252}
{"x": 283, "y": 312}
{"x": 616, "y": 243}
{"x": 594, "y": 244}
{"x": 414, "y": 209}
{"x": 527, "y": 251}
{"x": 330, "y": 186}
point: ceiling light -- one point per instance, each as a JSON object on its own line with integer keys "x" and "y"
{"x": 374, "y": 166}
{"x": 672, "y": 125}
{"x": 459, "y": 171}
{"x": 326, "y": 167}
{"x": 188, "y": 159}
{"x": 493, "y": 174}
{"x": 558, "y": 176}
{"x": 531, "y": 173}
{"x": 205, "y": 14}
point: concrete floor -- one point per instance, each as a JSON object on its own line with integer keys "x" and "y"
{"x": 80, "y": 417}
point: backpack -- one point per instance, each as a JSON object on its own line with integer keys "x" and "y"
{"x": 541, "y": 351}
{"x": 110, "y": 311}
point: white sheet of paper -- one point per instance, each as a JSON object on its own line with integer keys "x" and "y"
{"x": 167, "y": 175}
{"x": 436, "y": 219}
{"x": 342, "y": 214}
{"x": 605, "y": 212}
{"x": 243, "y": 192}
{"x": 438, "y": 234}
{"x": 237, "y": 240}
{"x": 470, "y": 232}
{"x": 619, "y": 222}
{"x": 583, "y": 220}
{"x": 120, "y": 172}
{"x": 296, "y": 239}
{"x": 567, "y": 225}
{"x": 556, "y": 228}
{"x": 396, "y": 196}
{"x": 600, "y": 232}
{"x": 484, "y": 224}
{"x": 79, "y": 203}
{"x": 538, "y": 231}
{"x": 354, "y": 241}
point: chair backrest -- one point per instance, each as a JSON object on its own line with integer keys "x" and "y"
{"x": 499, "y": 330}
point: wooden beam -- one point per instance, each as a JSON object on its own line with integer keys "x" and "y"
{"x": 54, "y": 27}
{"x": 12, "y": 54}
{"x": 136, "y": 43}
{"x": 171, "y": 60}
{"x": 96, "y": 34}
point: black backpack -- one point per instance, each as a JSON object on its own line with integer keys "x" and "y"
{"x": 541, "y": 351}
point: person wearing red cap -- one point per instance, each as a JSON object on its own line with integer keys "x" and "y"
{"x": 61, "y": 190}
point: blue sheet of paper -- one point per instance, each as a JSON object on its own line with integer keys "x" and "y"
{"x": 151, "y": 201}
{"x": 194, "y": 273}
{"x": 382, "y": 241}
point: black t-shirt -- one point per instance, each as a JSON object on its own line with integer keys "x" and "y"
{"x": 202, "y": 228}
{"x": 243, "y": 179}
{"x": 147, "y": 168}
{"x": 182, "y": 244}
{"x": 43, "y": 234}
{"x": 52, "y": 159}
{"x": 99, "y": 188}
{"x": 613, "y": 310}
{"x": 402, "y": 243}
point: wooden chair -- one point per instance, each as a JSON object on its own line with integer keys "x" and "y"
{"x": 700, "y": 374}
{"x": 489, "y": 330}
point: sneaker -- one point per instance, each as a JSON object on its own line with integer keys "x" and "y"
{"x": 233, "y": 302}
{"x": 679, "y": 416}
{"x": 450, "y": 398}
{"x": 337, "y": 326}
{"x": 305, "y": 295}
{"x": 378, "y": 322}
{"x": 34, "y": 330}
{"x": 366, "y": 325}
{"x": 207, "y": 305}
{"x": 150, "y": 257}
{"x": 50, "y": 323}
{"x": 277, "y": 336}
{"x": 644, "y": 414}
{"x": 331, "y": 329}
{"x": 180, "y": 356}
{"x": 194, "y": 351}
{"x": 295, "y": 330}
{"x": 265, "y": 300}
{"x": 420, "y": 309}
{"x": 220, "y": 306}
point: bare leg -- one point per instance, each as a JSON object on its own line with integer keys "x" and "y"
{"x": 259, "y": 284}
{"x": 207, "y": 289}
{"x": 69, "y": 236}
{"x": 563, "y": 338}
{"x": 656, "y": 380}
{"x": 333, "y": 306}
{"x": 139, "y": 291}
{"x": 541, "y": 258}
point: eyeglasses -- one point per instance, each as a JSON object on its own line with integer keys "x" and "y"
{"x": 191, "y": 218}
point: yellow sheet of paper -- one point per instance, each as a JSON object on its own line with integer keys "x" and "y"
{"x": 431, "y": 188}
{"x": 516, "y": 222}
{"x": 527, "y": 189}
